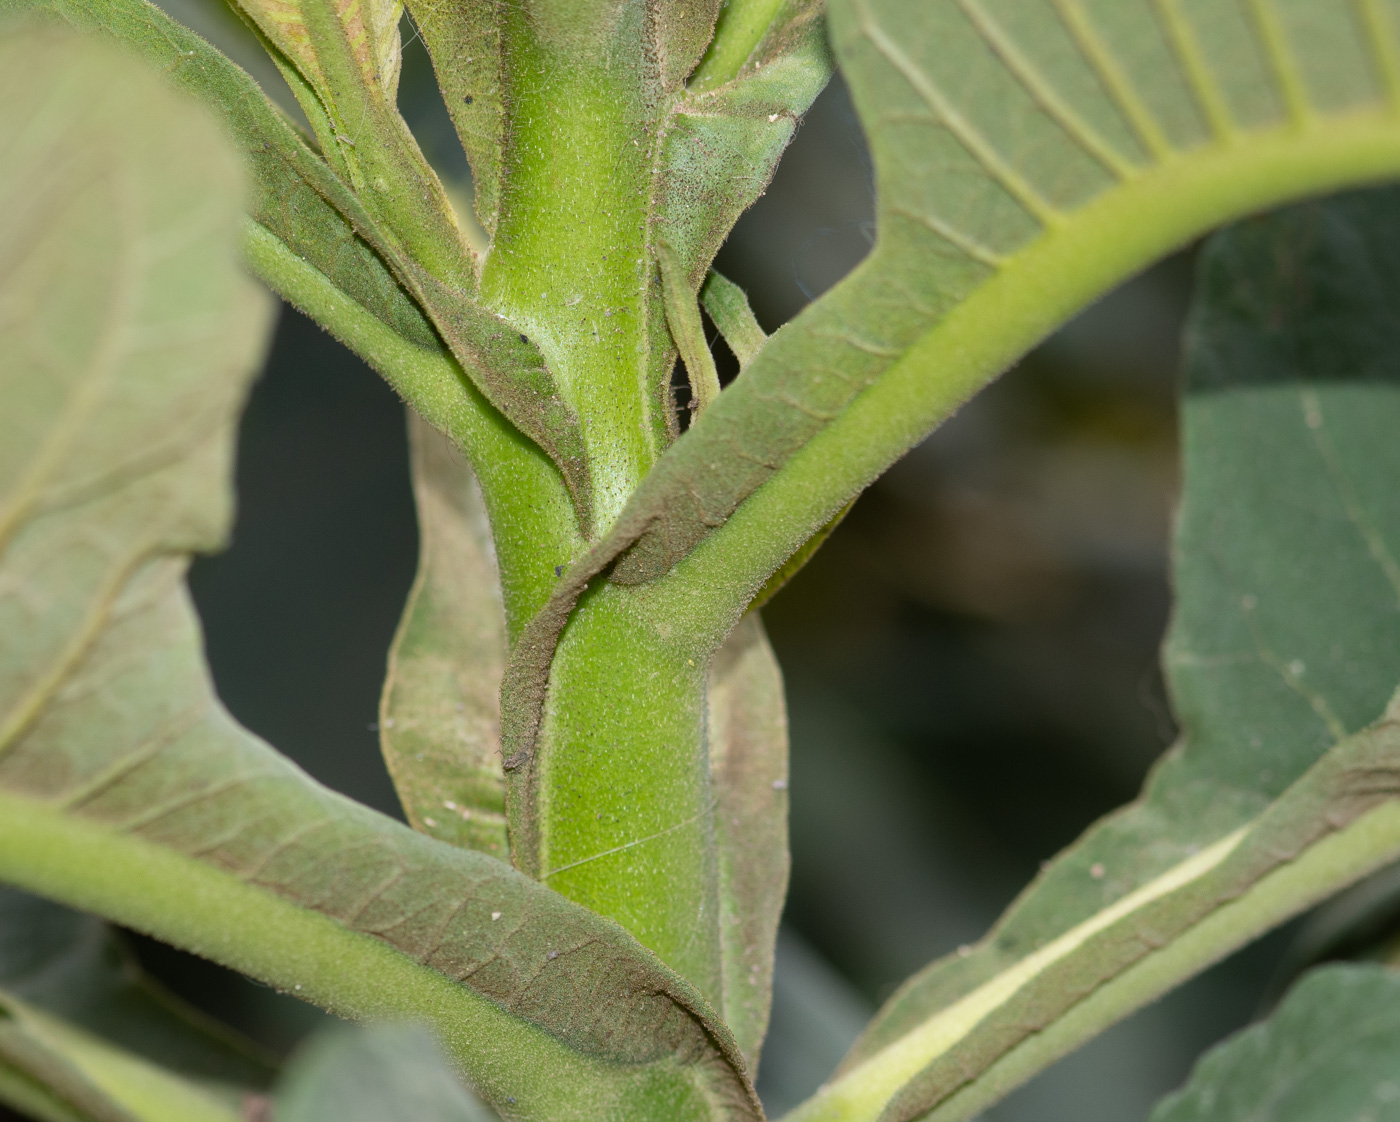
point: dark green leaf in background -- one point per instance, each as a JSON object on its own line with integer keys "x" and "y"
{"x": 385, "y": 1073}
{"x": 75, "y": 967}
{"x": 1329, "y": 1053}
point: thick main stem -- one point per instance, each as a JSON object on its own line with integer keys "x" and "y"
{"x": 619, "y": 798}
{"x": 625, "y": 811}
{"x": 569, "y": 262}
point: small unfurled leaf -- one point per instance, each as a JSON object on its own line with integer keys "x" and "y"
{"x": 747, "y": 723}
{"x": 687, "y": 328}
{"x": 1283, "y": 653}
{"x": 722, "y": 142}
{"x": 728, "y": 306}
{"x": 439, "y": 720}
{"x": 1328, "y": 1052}
{"x": 377, "y": 1074}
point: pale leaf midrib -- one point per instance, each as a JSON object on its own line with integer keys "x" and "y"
{"x": 877, "y": 1079}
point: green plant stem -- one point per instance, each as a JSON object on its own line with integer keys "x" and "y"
{"x": 211, "y": 913}
{"x": 625, "y": 821}
{"x": 569, "y": 261}
{"x": 1039, "y": 288}
{"x": 739, "y": 29}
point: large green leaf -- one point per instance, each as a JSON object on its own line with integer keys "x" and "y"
{"x": 1285, "y": 642}
{"x": 373, "y": 1075}
{"x": 1327, "y": 1052}
{"x": 87, "y": 177}
{"x": 125, "y": 788}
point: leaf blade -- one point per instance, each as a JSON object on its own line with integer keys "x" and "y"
{"x": 1291, "y": 336}
{"x": 439, "y": 717}
{"x": 748, "y": 742}
{"x": 1327, "y": 1051}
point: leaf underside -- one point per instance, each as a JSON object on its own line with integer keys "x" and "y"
{"x": 748, "y": 742}
{"x": 1285, "y": 644}
{"x": 439, "y": 722}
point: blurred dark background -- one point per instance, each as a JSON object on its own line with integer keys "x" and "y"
{"x": 971, "y": 659}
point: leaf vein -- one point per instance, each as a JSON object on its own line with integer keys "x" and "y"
{"x": 1045, "y": 94}
{"x": 967, "y": 134}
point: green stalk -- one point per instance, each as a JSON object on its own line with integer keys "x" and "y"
{"x": 739, "y": 29}
{"x": 569, "y": 261}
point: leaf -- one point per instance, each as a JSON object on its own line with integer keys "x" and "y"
{"x": 373, "y": 1074}
{"x": 1327, "y": 1052}
{"x": 125, "y": 788}
{"x": 728, "y": 306}
{"x": 722, "y": 140}
{"x": 748, "y": 742}
{"x": 74, "y": 968}
{"x": 314, "y": 242}
{"x": 1285, "y": 643}
{"x": 687, "y": 328}
{"x": 464, "y": 41}
{"x": 439, "y": 721}
{"x": 372, "y": 30}
{"x": 89, "y": 176}
{"x": 1029, "y": 156}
